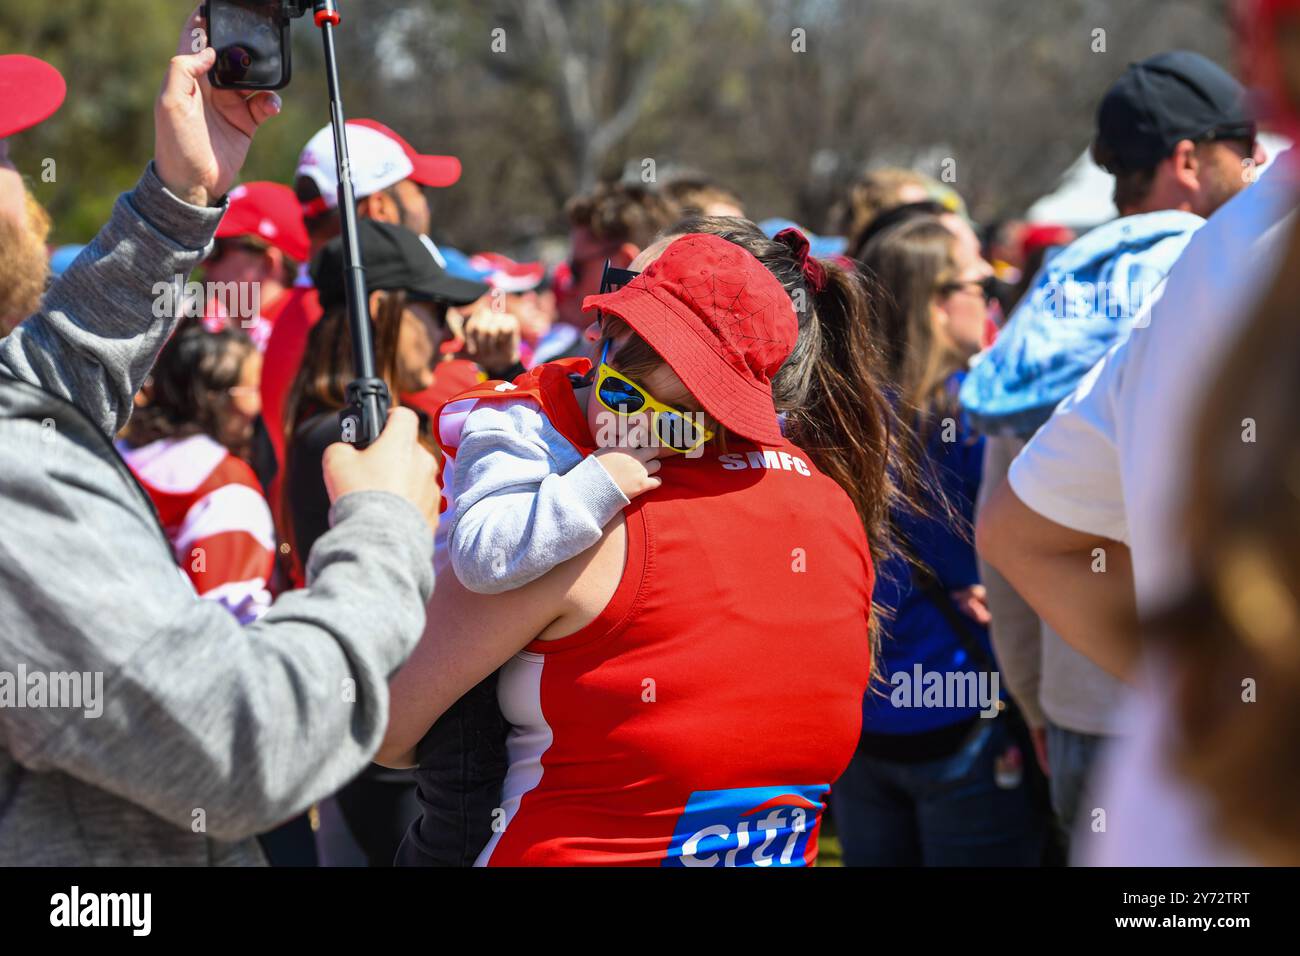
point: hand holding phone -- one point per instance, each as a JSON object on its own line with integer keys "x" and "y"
{"x": 251, "y": 38}
{"x": 202, "y": 135}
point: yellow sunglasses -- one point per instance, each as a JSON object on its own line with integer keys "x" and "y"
{"x": 674, "y": 428}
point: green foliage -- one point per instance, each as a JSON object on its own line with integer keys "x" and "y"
{"x": 112, "y": 56}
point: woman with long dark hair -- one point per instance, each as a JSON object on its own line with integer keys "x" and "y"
{"x": 941, "y": 776}
{"x": 409, "y": 299}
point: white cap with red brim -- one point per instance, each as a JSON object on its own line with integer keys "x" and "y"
{"x": 380, "y": 159}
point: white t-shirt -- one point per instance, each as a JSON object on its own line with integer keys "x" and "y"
{"x": 1112, "y": 461}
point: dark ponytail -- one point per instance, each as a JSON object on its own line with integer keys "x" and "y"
{"x": 831, "y": 388}
{"x": 837, "y": 409}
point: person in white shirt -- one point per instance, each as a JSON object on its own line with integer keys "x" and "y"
{"x": 1175, "y": 130}
{"x": 1101, "y": 485}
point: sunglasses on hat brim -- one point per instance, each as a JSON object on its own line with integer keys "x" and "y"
{"x": 612, "y": 279}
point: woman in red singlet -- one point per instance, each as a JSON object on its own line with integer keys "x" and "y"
{"x": 684, "y": 692}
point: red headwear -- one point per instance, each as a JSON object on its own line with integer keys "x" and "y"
{"x": 813, "y": 271}
{"x": 30, "y": 91}
{"x": 268, "y": 210}
{"x": 722, "y": 322}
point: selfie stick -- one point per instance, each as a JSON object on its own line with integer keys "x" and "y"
{"x": 367, "y": 395}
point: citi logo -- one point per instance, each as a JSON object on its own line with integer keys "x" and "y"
{"x": 767, "y": 458}
{"x": 748, "y": 826}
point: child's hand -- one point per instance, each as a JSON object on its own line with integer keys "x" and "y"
{"x": 633, "y": 469}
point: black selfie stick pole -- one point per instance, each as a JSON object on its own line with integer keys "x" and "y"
{"x": 367, "y": 395}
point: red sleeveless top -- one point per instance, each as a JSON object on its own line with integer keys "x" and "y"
{"x": 701, "y": 718}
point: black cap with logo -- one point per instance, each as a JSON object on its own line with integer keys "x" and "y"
{"x": 394, "y": 258}
{"x": 1165, "y": 99}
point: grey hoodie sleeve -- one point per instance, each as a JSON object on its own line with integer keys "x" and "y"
{"x": 525, "y": 500}
{"x": 102, "y": 324}
{"x": 199, "y": 719}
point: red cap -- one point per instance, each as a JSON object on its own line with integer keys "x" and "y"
{"x": 271, "y": 212}
{"x": 30, "y": 91}
{"x": 1261, "y": 60}
{"x": 429, "y": 170}
{"x": 1039, "y": 236}
{"x": 721, "y": 321}
{"x": 506, "y": 275}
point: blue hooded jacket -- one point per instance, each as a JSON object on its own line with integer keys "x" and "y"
{"x": 1082, "y": 302}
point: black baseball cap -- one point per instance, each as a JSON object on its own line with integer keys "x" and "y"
{"x": 1165, "y": 99}
{"x": 394, "y": 258}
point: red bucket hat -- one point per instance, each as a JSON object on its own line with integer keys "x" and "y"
{"x": 720, "y": 320}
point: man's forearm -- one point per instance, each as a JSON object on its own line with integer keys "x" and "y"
{"x": 251, "y": 724}
{"x": 1080, "y": 584}
{"x": 101, "y": 326}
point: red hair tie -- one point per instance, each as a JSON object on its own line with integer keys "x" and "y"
{"x": 814, "y": 272}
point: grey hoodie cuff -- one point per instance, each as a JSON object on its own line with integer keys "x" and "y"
{"x": 189, "y": 227}
{"x": 597, "y": 489}
{"x": 381, "y": 519}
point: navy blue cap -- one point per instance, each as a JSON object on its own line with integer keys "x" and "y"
{"x": 1165, "y": 99}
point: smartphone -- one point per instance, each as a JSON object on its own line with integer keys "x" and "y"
{"x": 251, "y": 38}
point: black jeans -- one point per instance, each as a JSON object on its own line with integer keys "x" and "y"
{"x": 290, "y": 844}
{"x": 461, "y": 767}
{"x": 378, "y": 806}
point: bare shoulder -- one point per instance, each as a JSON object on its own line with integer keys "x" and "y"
{"x": 582, "y": 586}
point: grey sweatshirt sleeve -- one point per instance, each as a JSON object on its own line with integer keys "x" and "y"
{"x": 102, "y": 324}
{"x": 525, "y": 500}
{"x": 200, "y": 719}
{"x": 197, "y": 718}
